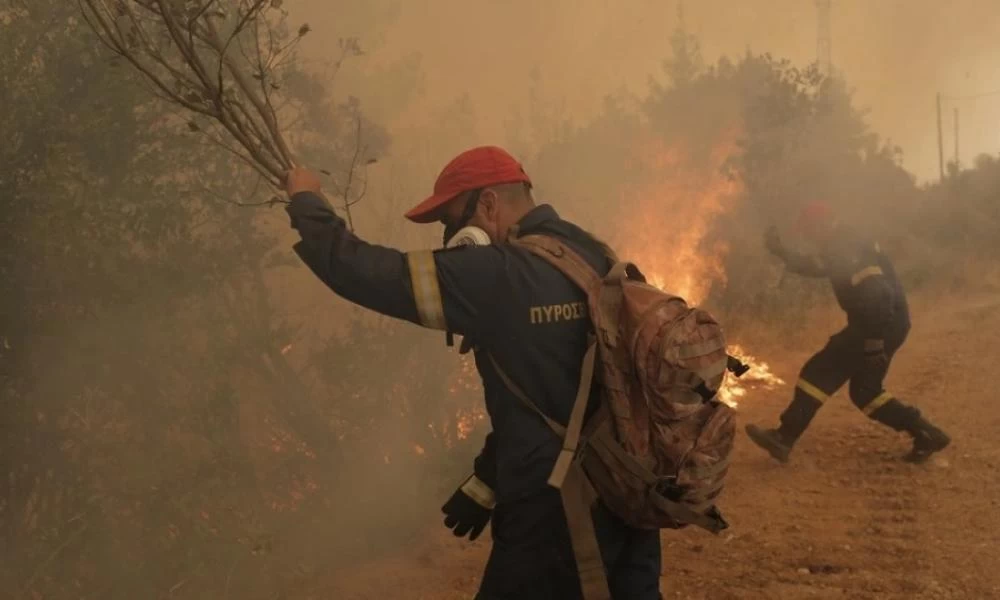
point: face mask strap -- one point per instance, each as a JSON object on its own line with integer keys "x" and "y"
{"x": 467, "y": 213}
{"x": 449, "y": 231}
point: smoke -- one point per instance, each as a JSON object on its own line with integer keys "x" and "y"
{"x": 897, "y": 54}
{"x": 150, "y": 400}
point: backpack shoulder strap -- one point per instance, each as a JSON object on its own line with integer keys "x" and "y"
{"x": 567, "y": 474}
{"x": 575, "y": 490}
{"x": 528, "y": 402}
{"x": 570, "y": 434}
{"x": 559, "y": 255}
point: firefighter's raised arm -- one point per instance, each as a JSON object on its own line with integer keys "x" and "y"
{"x": 801, "y": 264}
{"x": 444, "y": 289}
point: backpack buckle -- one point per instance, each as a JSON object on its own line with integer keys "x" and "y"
{"x": 667, "y": 487}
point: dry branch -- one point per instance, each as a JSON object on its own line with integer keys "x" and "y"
{"x": 221, "y": 61}
{"x": 187, "y": 50}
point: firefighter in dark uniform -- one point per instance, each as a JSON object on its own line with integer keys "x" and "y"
{"x": 516, "y": 309}
{"x": 878, "y": 321}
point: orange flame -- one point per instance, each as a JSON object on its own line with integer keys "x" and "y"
{"x": 759, "y": 375}
{"x": 467, "y": 420}
{"x": 667, "y": 217}
{"x": 466, "y": 380}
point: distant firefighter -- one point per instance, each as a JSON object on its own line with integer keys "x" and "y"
{"x": 878, "y": 321}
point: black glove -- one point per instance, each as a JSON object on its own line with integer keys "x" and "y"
{"x": 716, "y": 514}
{"x": 469, "y": 509}
{"x": 772, "y": 241}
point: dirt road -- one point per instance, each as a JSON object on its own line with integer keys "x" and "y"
{"x": 845, "y": 519}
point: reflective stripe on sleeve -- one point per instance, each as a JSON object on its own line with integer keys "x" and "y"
{"x": 480, "y": 492}
{"x": 426, "y": 293}
{"x": 865, "y": 274}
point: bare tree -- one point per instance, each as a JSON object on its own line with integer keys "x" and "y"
{"x": 223, "y": 62}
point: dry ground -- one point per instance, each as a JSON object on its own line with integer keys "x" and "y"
{"x": 845, "y": 519}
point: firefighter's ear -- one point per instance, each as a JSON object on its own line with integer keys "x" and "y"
{"x": 489, "y": 203}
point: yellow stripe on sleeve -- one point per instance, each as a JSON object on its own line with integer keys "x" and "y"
{"x": 865, "y": 274}
{"x": 426, "y": 293}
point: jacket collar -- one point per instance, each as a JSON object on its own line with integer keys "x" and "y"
{"x": 536, "y": 219}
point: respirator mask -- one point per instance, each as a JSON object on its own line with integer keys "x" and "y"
{"x": 469, "y": 235}
{"x": 461, "y": 233}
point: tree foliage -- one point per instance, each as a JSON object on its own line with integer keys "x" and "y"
{"x": 157, "y": 410}
{"x": 798, "y": 137}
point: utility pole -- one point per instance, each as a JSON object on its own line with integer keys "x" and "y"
{"x": 823, "y": 53}
{"x": 956, "y": 139}
{"x": 940, "y": 141}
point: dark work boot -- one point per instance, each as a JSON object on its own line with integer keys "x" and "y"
{"x": 771, "y": 440}
{"x": 927, "y": 439}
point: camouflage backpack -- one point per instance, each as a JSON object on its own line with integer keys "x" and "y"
{"x": 658, "y": 448}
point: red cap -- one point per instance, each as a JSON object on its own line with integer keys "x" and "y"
{"x": 815, "y": 216}
{"x": 473, "y": 169}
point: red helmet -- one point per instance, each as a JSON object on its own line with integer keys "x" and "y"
{"x": 814, "y": 217}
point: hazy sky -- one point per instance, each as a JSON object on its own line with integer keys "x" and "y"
{"x": 896, "y": 53}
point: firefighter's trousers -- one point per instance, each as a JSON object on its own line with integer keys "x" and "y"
{"x": 532, "y": 557}
{"x": 841, "y": 361}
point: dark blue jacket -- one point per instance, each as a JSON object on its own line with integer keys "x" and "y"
{"x": 509, "y": 303}
{"x": 864, "y": 282}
